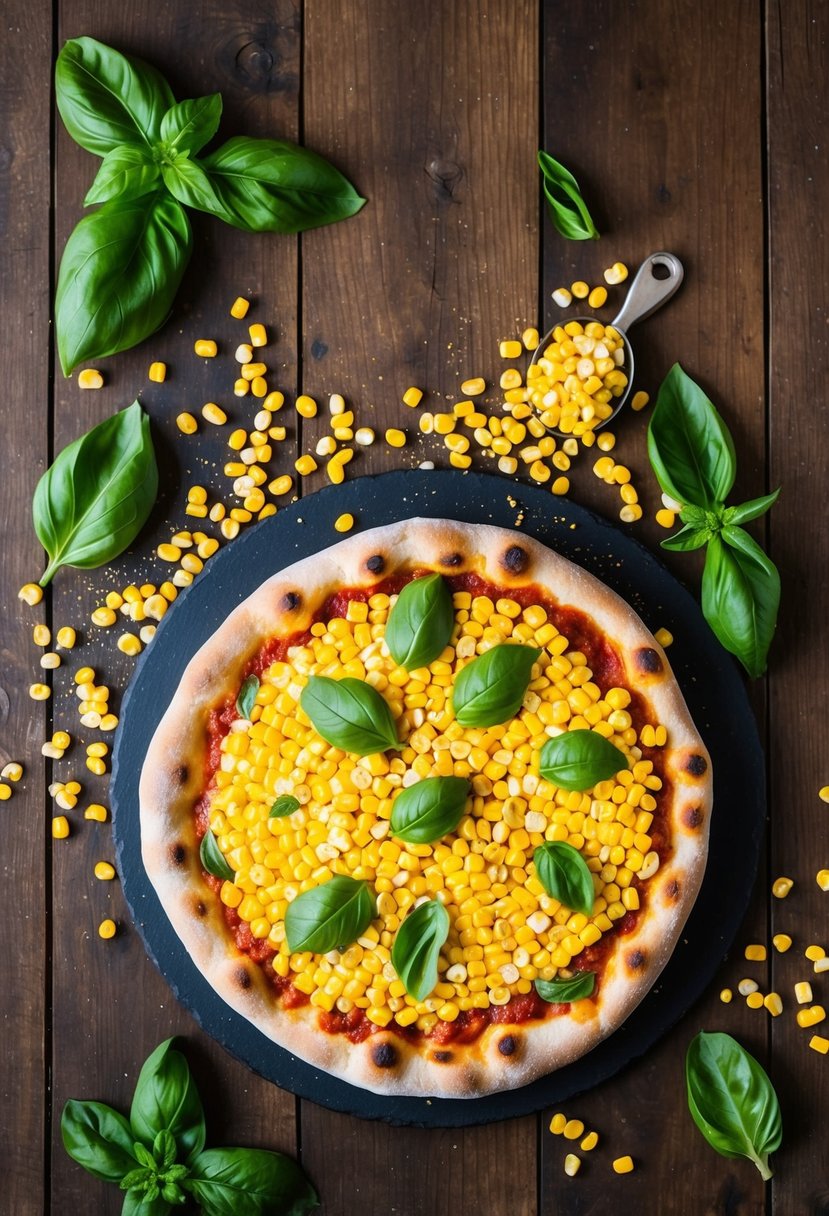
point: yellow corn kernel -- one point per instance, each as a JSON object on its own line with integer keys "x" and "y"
{"x": 589, "y": 1142}
{"x": 580, "y": 289}
{"x": 129, "y": 644}
{"x": 40, "y": 692}
{"x": 186, "y": 423}
{"x": 755, "y": 953}
{"x": 665, "y": 518}
{"x": 238, "y": 439}
{"x": 344, "y": 522}
{"x": 107, "y": 929}
{"x": 726, "y": 996}
{"x": 562, "y": 297}
{"x": 597, "y": 297}
{"x": 810, "y": 1016}
{"x": 747, "y": 986}
{"x": 803, "y": 992}
{"x": 773, "y": 1003}
{"x": 754, "y": 1000}
{"x": 530, "y": 338}
{"x": 639, "y": 400}
{"x": 96, "y": 765}
{"x": 664, "y": 637}
{"x": 108, "y": 722}
{"x": 412, "y": 397}
{"x": 629, "y": 514}
{"x": 5, "y": 791}
{"x": 572, "y": 1165}
{"x": 819, "y": 1044}
{"x": 459, "y": 460}
{"x": 306, "y": 406}
{"x": 623, "y": 1165}
{"x": 12, "y": 771}
{"x": 281, "y": 485}
{"x": 84, "y": 675}
{"x": 822, "y": 879}
{"x": 241, "y": 387}
{"x": 781, "y": 942}
{"x": 96, "y": 812}
{"x": 214, "y": 413}
{"x": 814, "y": 953}
{"x": 781, "y": 887}
{"x": 258, "y": 335}
{"x": 168, "y": 552}
{"x": 157, "y": 373}
{"x": 617, "y": 273}
{"x": 205, "y": 348}
{"x": 573, "y": 1129}
{"x": 561, "y": 485}
{"x": 395, "y": 438}
{"x": 60, "y": 827}
{"x": 90, "y": 377}
{"x": 305, "y": 465}
{"x": 510, "y": 349}
{"x": 104, "y": 871}
{"x": 239, "y": 308}
{"x": 558, "y": 1124}
{"x": 66, "y": 637}
{"x": 473, "y": 387}
{"x": 244, "y": 354}
{"x": 41, "y": 635}
{"x": 30, "y": 593}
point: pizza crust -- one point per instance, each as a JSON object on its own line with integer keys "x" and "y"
{"x": 505, "y": 1056}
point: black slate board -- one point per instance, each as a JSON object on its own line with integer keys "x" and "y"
{"x": 708, "y": 677}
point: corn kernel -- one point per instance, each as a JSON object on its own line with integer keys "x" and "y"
{"x": 572, "y": 1165}
{"x": 473, "y": 387}
{"x": 639, "y": 401}
{"x": 803, "y": 992}
{"x": 104, "y": 871}
{"x": 344, "y": 522}
{"x": 561, "y": 485}
{"x": 258, "y": 335}
{"x": 623, "y": 1165}
{"x": 12, "y": 771}
{"x": 773, "y": 1003}
{"x": 241, "y": 387}
{"x": 157, "y": 373}
{"x": 573, "y": 1129}
{"x": 811, "y": 1016}
{"x": 96, "y": 812}
{"x": 186, "y": 423}
{"x": 822, "y": 879}
{"x": 60, "y": 827}
{"x": 589, "y": 1142}
{"x": 562, "y": 297}
{"x": 306, "y": 406}
{"x": 819, "y": 1044}
{"x": 40, "y": 692}
{"x": 205, "y": 348}
{"x": 107, "y": 929}
{"x": 90, "y": 377}
{"x": 305, "y": 465}
{"x": 665, "y": 518}
{"x": 129, "y": 644}
{"x": 597, "y": 297}
{"x": 814, "y": 953}
{"x": 747, "y": 986}
{"x": 726, "y": 996}
{"x": 30, "y": 593}
{"x": 664, "y": 637}
{"x": 213, "y": 413}
{"x": 755, "y": 953}
{"x": 66, "y": 637}
{"x": 617, "y": 273}
{"x": 510, "y": 349}
{"x": 781, "y": 942}
{"x": 395, "y": 438}
{"x": 781, "y": 887}
{"x": 557, "y": 1124}
{"x": 412, "y": 397}
{"x": 754, "y": 1000}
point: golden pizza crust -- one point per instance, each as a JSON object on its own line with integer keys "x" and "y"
{"x": 505, "y": 1056}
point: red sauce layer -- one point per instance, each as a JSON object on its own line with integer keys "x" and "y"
{"x": 608, "y": 672}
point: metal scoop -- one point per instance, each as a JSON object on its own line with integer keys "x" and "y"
{"x": 647, "y": 292}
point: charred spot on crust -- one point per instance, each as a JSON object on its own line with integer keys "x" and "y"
{"x": 507, "y": 1045}
{"x": 242, "y": 978}
{"x": 384, "y": 1055}
{"x": 376, "y": 564}
{"x": 636, "y": 960}
{"x": 201, "y": 908}
{"x": 291, "y": 600}
{"x": 515, "y": 560}
{"x": 696, "y": 765}
{"x": 442, "y": 1057}
{"x": 181, "y": 773}
{"x": 648, "y": 660}
{"x": 452, "y": 559}
{"x": 692, "y": 816}
{"x": 178, "y": 854}
{"x": 672, "y": 890}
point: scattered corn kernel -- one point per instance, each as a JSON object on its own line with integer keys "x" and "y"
{"x": 597, "y": 297}
{"x": 395, "y": 438}
{"x": 344, "y": 522}
{"x": 187, "y": 424}
{"x": 239, "y": 308}
{"x": 822, "y": 879}
{"x": 561, "y": 485}
{"x": 40, "y": 692}
{"x": 104, "y": 871}
{"x": 664, "y": 637}
{"x": 747, "y": 986}
{"x": 726, "y": 996}
{"x": 665, "y": 518}
{"x": 530, "y": 338}
{"x": 623, "y": 1165}
{"x": 157, "y": 373}
{"x": 821, "y": 965}
{"x": 12, "y": 771}
{"x": 754, "y": 1000}
{"x": 572, "y": 1165}
{"x": 639, "y": 400}
{"x": 31, "y": 593}
{"x": 107, "y": 929}
{"x": 814, "y": 953}
{"x": 41, "y": 635}
{"x": 90, "y": 377}
{"x": 241, "y": 387}
{"x": 306, "y": 406}
{"x": 617, "y": 273}
{"x": 413, "y": 397}
{"x": 773, "y": 1003}
{"x": 781, "y": 942}
{"x": 205, "y": 348}
{"x": 558, "y": 1124}
{"x": 129, "y": 644}
{"x": 573, "y": 1128}
{"x": 50, "y": 660}
{"x": 305, "y": 465}
{"x": 66, "y": 637}
{"x": 258, "y": 335}
{"x": 473, "y": 387}
{"x": 589, "y": 1142}
{"x": 510, "y": 348}
{"x": 755, "y": 953}
{"x": 364, "y": 435}
{"x": 60, "y": 827}
{"x": 781, "y": 887}
{"x": 562, "y": 297}
{"x": 96, "y": 812}
{"x": 630, "y": 513}
{"x": 214, "y": 413}
{"x": 803, "y": 992}
{"x": 810, "y": 1016}
{"x": 818, "y": 1043}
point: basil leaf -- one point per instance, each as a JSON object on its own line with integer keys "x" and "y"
{"x": 118, "y": 276}
{"x": 136, "y": 1203}
{"x": 253, "y": 1181}
{"x": 563, "y": 992}
{"x": 286, "y": 805}
{"x": 740, "y": 597}
{"x": 247, "y": 696}
{"x": 329, "y": 917}
{"x": 189, "y": 125}
{"x": 416, "y": 948}
{"x": 420, "y": 623}
{"x": 98, "y": 1138}
{"x": 166, "y": 1106}
{"x": 431, "y": 808}
{"x": 187, "y": 181}
{"x": 732, "y": 1101}
{"x": 93, "y": 500}
{"x": 568, "y": 210}
{"x": 687, "y": 538}
{"x": 578, "y": 759}
{"x": 213, "y": 859}
{"x": 106, "y": 98}
{"x": 269, "y": 185}
{"x": 689, "y": 445}
{"x": 126, "y": 172}
{"x": 349, "y": 714}
{"x": 563, "y": 873}
{"x": 752, "y": 509}
{"x": 490, "y": 688}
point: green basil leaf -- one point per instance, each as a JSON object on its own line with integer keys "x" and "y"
{"x": 490, "y": 688}
{"x": 106, "y": 98}
{"x": 286, "y": 805}
{"x": 118, "y": 276}
{"x": 687, "y": 538}
{"x": 126, "y": 172}
{"x": 564, "y": 992}
{"x": 429, "y": 809}
{"x": 752, "y": 509}
{"x": 136, "y": 1203}
{"x": 269, "y": 185}
{"x": 689, "y": 446}
{"x": 578, "y": 759}
{"x": 166, "y": 1106}
{"x": 187, "y": 181}
{"x": 563, "y": 873}
{"x": 740, "y": 597}
{"x": 732, "y": 1101}
{"x": 247, "y": 696}
{"x": 93, "y": 500}
{"x": 253, "y": 1181}
{"x": 420, "y": 623}
{"x": 417, "y": 945}
{"x": 98, "y": 1138}
{"x": 189, "y": 125}
{"x": 213, "y": 859}
{"x": 568, "y": 210}
{"x": 330, "y": 916}
{"x": 349, "y": 714}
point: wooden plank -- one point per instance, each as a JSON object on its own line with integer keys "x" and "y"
{"x": 110, "y": 1006}
{"x": 631, "y": 109}
{"x": 418, "y": 107}
{"x": 25, "y": 57}
{"x": 797, "y": 40}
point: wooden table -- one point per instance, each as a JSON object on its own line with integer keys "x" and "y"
{"x": 694, "y": 127}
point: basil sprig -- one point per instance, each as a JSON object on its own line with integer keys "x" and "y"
{"x": 122, "y": 266}
{"x": 417, "y": 945}
{"x": 286, "y": 805}
{"x": 692, "y": 455}
{"x": 349, "y": 714}
{"x": 563, "y": 873}
{"x": 568, "y": 209}
{"x": 732, "y": 1101}
{"x": 579, "y": 759}
{"x": 213, "y": 859}
{"x": 565, "y": 991}
{"x": 420, "y": 623}
{"x": 429, "y": 809}
{"x": 247, "y": 696}
{"x": 489, "y": 689}
{"x": 158, "y": 1158}
{"x": 92, "y": 502}
{"x": 330, "y": 916}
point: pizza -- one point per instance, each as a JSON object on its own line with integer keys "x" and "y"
{"x": 482, "y": 937}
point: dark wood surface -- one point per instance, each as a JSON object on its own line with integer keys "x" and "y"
{"x": 694, "y": 127}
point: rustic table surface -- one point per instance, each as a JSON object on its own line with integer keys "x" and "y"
{"x": 693, "y": 127}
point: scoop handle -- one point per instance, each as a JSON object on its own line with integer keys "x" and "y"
{"x": 647, "y": 292}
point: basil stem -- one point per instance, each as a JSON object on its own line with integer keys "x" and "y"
{"x": 563, "y": 873}
{"x": 247, "y": 696}
{"x": 689, "y": 445}
{"x": 330, "y": 916}
{"x": 417, "y": 945}
{"x": 420, "y": 623}
{"x": 564, "y": 992}
{"x": 94, "y": 499}
{"x": 568, "y": 209}
{"x": 286, "y": 805}
{"x": 429, "y": 809}
{"x": 213, "y": 859}
{"x": 490, "y": 688}
{"x": 732, "y": 1101}
{"x": 349, "y": 714}
{"x": 578, "y": 759}
{"x": 741, "y": 596}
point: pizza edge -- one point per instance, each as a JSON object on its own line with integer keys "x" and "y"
{"x": 504, "y": 1056}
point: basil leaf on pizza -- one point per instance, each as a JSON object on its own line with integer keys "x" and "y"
{"x": 247, "y": 696}
{"x": 286, "y": 805}
{"x": 330, "y": 916}
{"x": 579, "y": 759}
{"x": 417, "y": 947}
{"x": 421, "y": 622}
{"x": 349, "y": 714}
{"x": 491, "y": 687}
{"x": 213, "y": 859}
{"x": 563, "y": 873}
{"x": 431, "y": 808}
{"x": 565, "y": 991}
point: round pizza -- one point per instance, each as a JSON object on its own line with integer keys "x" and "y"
{"x": 429, "y": 809}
